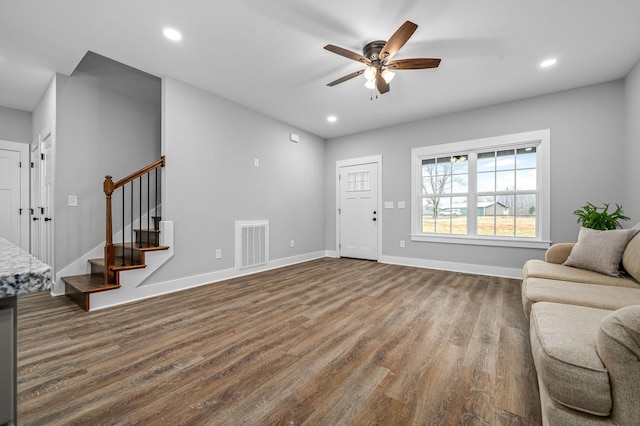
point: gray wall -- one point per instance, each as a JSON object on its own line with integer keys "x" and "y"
{"x": 44, "y": 114}
{"x": 108, "y": 123}
{"x": 632, "y": 148}
{"x": 587, "y": 139}
{"x": 15, "y": 125}
{"x": 210, "y": 145}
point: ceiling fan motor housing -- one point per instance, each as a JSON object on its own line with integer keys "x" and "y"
{"x": 372, "y": 50}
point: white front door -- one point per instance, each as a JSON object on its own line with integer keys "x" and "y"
{"x": 14, "y": 190}
{"x": 358, "y": 211}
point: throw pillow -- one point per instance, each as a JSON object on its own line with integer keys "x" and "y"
{"x": 631, "y": 257}
{"x": 600, "y": 251}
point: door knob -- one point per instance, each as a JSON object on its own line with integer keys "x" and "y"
{"x": 374, "y": 219}
{"x": 374, "y": 212}
{"x": 47, "y": 219}
{"x": 36, "y": 218}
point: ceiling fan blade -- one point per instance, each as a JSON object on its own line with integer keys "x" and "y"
{"x": 381, "y": 84}
{"x": 345, "y": 78}
{"x": 413, "y": 64}
{"x": 397, "y": 40}
{"x": 347, "y": 53}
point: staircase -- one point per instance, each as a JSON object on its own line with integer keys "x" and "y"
{"x": 139, "y": 201}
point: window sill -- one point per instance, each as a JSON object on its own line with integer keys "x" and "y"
{"x": 483, "y": 241}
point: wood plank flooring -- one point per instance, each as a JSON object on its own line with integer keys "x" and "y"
{"x": 326, "y": 342}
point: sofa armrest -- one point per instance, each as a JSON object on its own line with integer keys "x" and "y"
{"x": 618, "y": 345}
{"x": 558, "y": 253}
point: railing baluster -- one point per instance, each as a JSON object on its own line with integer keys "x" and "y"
{"x": 148, "y": 209}
{"x": 157, "y": 213}
{"x": 132, "y": 231}
{"x": 123, "y": 225}
{"x": 140, "y": 206}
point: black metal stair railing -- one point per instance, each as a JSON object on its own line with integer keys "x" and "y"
{"x": 138, "y": 191}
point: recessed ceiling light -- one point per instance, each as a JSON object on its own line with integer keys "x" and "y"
{"x": 332, "y": 119}
{"x": 172, "y": 34}
{"x": 548, "y": 62}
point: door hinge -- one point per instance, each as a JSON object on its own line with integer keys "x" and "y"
{"x": 19, "y": 164}
{"x": 41, "y": 210}
{"x": 339, "y": 211}
{"x": 339, "y": 246}
{"x": 42, "y": 156}
{"x": 20, "y": 210}
{"x": 32, "y": 165}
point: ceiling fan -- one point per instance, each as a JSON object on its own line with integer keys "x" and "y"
{"x": 377, "y": 57}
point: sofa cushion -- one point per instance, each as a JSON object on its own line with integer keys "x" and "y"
{"x": 541, "y": 269}
{"x": 600, "y": 251}
{"x": 572, "y": 293}
{"x": 631, "y": 257}
{"x": 563, "y": 343}
{"x": 619, "y": 348}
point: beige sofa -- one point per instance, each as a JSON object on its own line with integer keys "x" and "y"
{"x": 585, "y": 336}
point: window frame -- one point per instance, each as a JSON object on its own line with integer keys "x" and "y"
{"x": 542, "y": 139}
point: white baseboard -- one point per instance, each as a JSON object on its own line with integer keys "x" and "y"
{"x": 468, "y": 268}
{"x": 332, "y": 253}
{"x": 135, "y": 288}
{"x": 144, "y": 291}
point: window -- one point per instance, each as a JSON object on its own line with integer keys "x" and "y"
{"x": 492, "y": 191}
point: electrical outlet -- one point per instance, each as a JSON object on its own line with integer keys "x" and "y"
{"x": 293, "y": 243}
{"x": 218, "y": 254}
{"x": 73, "y": 201}
{"x": 402, "y": 243}
{"x": 256, "y": 162}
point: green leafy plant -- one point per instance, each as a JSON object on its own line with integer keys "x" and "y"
{"x": 590, "y": 217}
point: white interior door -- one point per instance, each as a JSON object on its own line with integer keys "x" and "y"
{"x": 46, "y": 199}
{"x": 14, "y": 193}
{"x": 34, "y": 211}
{"x": 358, "y": 211}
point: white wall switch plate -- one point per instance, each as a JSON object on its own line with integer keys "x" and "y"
{"x": 256, "y": 162}
{"x": 401, "y": 204}
{"x": 218, "y": 254}
{"x": 388, "y": 204}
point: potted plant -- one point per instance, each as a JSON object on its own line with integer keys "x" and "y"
{"x": 589, "y": 216}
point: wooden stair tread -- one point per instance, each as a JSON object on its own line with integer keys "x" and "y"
{"x": 119, "y": 264}
{"x": 88, "y": 283}
{"x": 141, "y": 247}
{"x": 155, "y": 231}
{"x": 129, "y": 267}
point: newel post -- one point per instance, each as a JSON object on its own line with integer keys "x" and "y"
{"x": 109, "y": 249}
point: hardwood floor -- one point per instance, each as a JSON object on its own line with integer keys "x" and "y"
{"x": 328, "y": 342}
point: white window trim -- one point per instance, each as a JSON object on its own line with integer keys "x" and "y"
{"x": 543, "y": 171}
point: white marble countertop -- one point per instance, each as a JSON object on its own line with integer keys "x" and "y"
{"x": 21, "y": 273}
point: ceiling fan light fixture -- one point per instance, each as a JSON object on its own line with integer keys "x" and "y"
{"x": 370, "y": 84}
{"x": 388, "y": 75}
{"x": 370, "y": 74}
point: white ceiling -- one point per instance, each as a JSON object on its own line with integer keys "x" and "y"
{"x": 269, "y": 56}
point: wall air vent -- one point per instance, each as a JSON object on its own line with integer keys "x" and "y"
{"x": 252, "y": 243}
